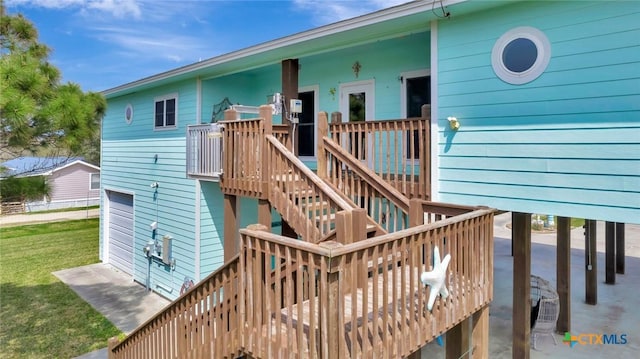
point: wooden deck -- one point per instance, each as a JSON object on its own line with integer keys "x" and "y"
{"x": 346, "y": 282}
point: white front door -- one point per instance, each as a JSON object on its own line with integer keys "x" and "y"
{"x": 357, "y": 103}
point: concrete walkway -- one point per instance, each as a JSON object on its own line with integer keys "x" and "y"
{"x": 114, "y": 294}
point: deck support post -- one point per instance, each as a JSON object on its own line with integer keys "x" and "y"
{"x": 590, "y": 258}
{"x": 521, "y": 234}
{"x": 351, "y": 228}
{"x": 231, "y": 226}
{"x": 610, "y": 253}
{"x": 620, "y": 248}
{"x": 425, "y": 153}
{"x": 457, "y": 340}
{"x": 480, "y": 334}
{"x": 563, "y": 273}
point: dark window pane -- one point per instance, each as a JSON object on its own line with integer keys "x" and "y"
{"x": 159, "y": 113}
{"x": 418, "y": 94}
{"x": 519, "y": 55}
{"x": 357, "y": 106}
{"x": 171, "y": 113}
{"x": 305, "y": 135}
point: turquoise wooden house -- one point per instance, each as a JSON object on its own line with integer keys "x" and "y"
{"x": 534, "y": 108}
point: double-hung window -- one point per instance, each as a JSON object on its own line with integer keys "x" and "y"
{"x": 166, "y": 112}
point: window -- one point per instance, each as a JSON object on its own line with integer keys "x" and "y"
{"x": 94, "y": 181}
{"x": 416, "y": 92}
{"x": 306, "y": 136}
{"x": 521, "y": 55}
{"x": 166, "y": 112}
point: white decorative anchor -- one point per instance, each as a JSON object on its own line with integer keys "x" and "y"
{"x": 436, "y": 278}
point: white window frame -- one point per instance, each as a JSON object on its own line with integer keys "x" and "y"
{"x": 543, "y": 47}
{"x": 91, "y": 181}
{"x": 316, "y": 103}
{"x": 173, "y": 96}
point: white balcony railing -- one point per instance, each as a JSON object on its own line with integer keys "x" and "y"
{"x": 204, "y": 151}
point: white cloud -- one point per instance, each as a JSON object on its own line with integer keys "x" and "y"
{"x": 325, "y": 12}
{"x": 116, "y": 8}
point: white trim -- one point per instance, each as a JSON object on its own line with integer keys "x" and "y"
{"x": 127, "y": 108}
{"x": 197, "y": 232}
{"x": 365, "y": 85}
{"x": 435, "y": 155}
{"x": 543, "y": 47}
{"x": 171, "y": 96}
{"x": 316, "y": 103}
{"x": 91, "y": 181}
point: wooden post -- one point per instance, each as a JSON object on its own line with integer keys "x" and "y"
{"x": 267, "y": 128}
{"x": 521, "y": 234}
{"x": 290, "y": 91}
{"x": 563, "y": 273}
{"x": 331, "y": 328}
{"x": 610, "y": 253}
{"x": 457, "y": 340}
{"x": 112, "y": 343}
{"x": 264, "y": 213}
{"x": 323, "y": 131}
{"x": 590, "y": 258}
{"x": 620, "y": 248}
{"x": 350, "y": 228}
{"x": 231, "y": 227}
{"x": 416, "y": 214}
{"x": 425, "y": 154}
{"x": 480, "y": 334}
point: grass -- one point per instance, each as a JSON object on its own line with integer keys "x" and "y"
{"x": 40, "y": 317}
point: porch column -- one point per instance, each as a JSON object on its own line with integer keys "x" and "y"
{"x": 610, "y": 253}
{"x": 231, "y": 227}
{"x": 563, "y": 273}
{"x": 290, "y": 91}
{"x": 590, "y": 258}
{"x": 620, "y": 248}
{"x": 521, "y": 237}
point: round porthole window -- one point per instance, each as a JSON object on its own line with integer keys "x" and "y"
{"x": 128, "y": 114}
{"x": 521, "y": 55}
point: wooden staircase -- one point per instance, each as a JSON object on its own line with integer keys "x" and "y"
{"x": 348, "y": 286}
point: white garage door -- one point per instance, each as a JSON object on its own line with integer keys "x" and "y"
{"x": 121, "y": 231}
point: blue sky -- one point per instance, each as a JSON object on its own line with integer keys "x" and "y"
{"x": 101, "y": 44}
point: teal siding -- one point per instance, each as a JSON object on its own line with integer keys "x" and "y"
{"x": 383, "y": 61}
{"x": 567, "y": 143}
{"x": 130, "y": 166}
{"x": 211, "y": 228}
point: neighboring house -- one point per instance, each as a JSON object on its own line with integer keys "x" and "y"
{"x": 534, "y": 109}
{"x": 73, "y": 182}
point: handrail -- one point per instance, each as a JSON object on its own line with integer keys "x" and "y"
{"x": 317, "y": 181}
{"x": 361, "y": 170}
{"x": 186, "y": 325}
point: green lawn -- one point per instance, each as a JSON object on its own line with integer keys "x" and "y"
{"x": 40, "y": 317}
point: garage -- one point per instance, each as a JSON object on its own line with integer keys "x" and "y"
{"x": 120, "y": 228}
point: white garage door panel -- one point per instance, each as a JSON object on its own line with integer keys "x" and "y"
{"x": 121, "y": 231}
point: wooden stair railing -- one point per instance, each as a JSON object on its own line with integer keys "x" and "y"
{"x": 201, "y": 323}
{"x": 396, "y": 150}
{"x": 302, "y": 198}
{"x": 362, "y": 299}
{"x": 388, "y": 206}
